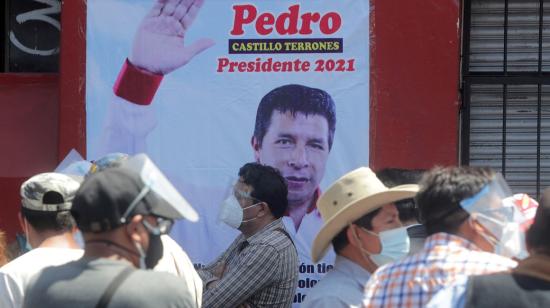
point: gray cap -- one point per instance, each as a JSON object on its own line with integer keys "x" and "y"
{"x": 49, "y": 192}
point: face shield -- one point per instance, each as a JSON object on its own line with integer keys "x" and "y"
{"x": 172, "y": 205}
{"x": 73, "y": 165}
{"x": 493, "y": 208}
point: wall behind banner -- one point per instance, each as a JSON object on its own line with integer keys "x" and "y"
{"x": 414, "y": 89}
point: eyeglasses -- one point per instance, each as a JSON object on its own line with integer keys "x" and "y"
{"x": 163, "y": 226}
{"x": 244, "y": 195}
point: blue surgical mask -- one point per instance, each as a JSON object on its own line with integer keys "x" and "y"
{"x": 28, "y": 246}
{"x": 395, "y": 246}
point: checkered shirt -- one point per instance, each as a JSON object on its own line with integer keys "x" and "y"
{"x": 261, "y": 271}
{"x": 413, "y": 281}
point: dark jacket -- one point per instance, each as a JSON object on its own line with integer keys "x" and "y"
{"x": 526, "y": 286}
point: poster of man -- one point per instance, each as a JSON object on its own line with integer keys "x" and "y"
{"x": 205, "y": 86}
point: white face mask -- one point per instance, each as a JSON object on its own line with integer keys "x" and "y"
{"x": 395, "y": 246}
{"x": 232, "y": 213}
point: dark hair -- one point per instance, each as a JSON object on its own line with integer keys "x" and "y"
{"x": 340, "y": 241}
{"x": 295, "y": 99}
{"x": 43, "y": 221}
{"x": 537, "y": 235}
{"x": 442, "y": 189}
{"x": 268, "y": 185}
{"x": 391, "y": 177}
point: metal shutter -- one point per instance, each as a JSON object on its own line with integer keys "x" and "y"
{"x": 506, "y": 90}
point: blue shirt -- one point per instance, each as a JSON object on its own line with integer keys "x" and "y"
{"x": 342, "y": 287}
{"x": 452, "y": 296}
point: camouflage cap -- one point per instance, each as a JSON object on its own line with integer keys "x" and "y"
{"x": 50, "y": 192}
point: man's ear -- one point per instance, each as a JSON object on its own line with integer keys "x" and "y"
{"x": 256, "y": 148}
{"x": 352, "y": 235}
{"x": 135, "y": 229}
{"x": 264, "y": 210}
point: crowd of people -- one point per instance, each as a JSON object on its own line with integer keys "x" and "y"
{"x": 458, "y": 238}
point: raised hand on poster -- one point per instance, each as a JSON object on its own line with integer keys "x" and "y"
{"x": 158, "y": 45}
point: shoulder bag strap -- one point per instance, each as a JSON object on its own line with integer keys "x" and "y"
{"x": 113, "y": 286}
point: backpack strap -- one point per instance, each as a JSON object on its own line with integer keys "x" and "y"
{"x": 113, "y": 286}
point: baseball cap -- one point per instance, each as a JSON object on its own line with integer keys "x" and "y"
{"x": 108, "y": 198}
{"x": 49, "y": 192}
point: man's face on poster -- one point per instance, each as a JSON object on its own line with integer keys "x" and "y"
{"x": 297, "y": 145}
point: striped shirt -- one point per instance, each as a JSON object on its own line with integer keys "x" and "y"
{"x": 413, "y": 281}
{"x": 261, "y": 271}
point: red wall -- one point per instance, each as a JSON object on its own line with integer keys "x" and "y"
{"x": 414, "y": 83}
{"x": 414, "y": 96}
{"x": 43, "y": 115}
{"x": 28, "y": 136}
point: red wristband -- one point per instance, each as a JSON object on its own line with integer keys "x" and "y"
{"x": 136, "y": 85}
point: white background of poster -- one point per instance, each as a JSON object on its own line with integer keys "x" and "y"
{"x": 205, "y": 119}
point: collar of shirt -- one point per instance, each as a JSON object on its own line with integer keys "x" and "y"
{"x": 449, "y": 241}
{"x": 351, "y": 269}
{"x": 536, "y": 265}
{"x": 313, "y": 205}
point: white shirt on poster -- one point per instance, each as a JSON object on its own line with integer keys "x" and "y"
{"x": 309, "y": 273}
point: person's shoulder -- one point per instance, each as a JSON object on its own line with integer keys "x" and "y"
{"x": 163, "y": 290}
{"x": 492, "y": 259}
{"x": 331, "y": 285}
{"x": 326, "y": 300}
{"x": 159, "y": 281}
{"x": 278, "y": 238}
{"x": 393, "y": 268}
{"x": 168, "y": 288}
{"x": 33, "y": 261}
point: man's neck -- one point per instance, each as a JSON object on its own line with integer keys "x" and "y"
{"x": 106, "y": 249}
{"x": 57, "y": 240}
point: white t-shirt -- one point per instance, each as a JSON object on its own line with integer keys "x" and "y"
{"x": 175, "y": 261}
{"x": 15, "y": 276}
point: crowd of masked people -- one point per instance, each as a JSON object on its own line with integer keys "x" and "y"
{"x": 446, "y": 237}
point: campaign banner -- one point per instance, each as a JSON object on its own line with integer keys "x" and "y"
{"x": 218, "y": 84}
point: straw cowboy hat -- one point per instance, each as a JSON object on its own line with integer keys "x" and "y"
{"x": 354, "y": 195}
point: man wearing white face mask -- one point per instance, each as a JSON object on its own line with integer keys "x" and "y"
{"x": 458, "y": 242}
{"x": 260, "y": 268}
{"x": 363, "y": 225}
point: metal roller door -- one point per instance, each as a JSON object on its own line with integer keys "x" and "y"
{"x": 506, "y": 90}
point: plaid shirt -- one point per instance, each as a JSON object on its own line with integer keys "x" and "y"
{"x": 261, "y": 271}
{"x": 413, "y": 281}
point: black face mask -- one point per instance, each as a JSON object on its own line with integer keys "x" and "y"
{"x": 154, "y": 251}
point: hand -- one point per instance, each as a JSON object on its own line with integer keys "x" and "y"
{"x": 219, "y": 270}
{"x": 158, "y": 45}
{"x": 244, "y": 305}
